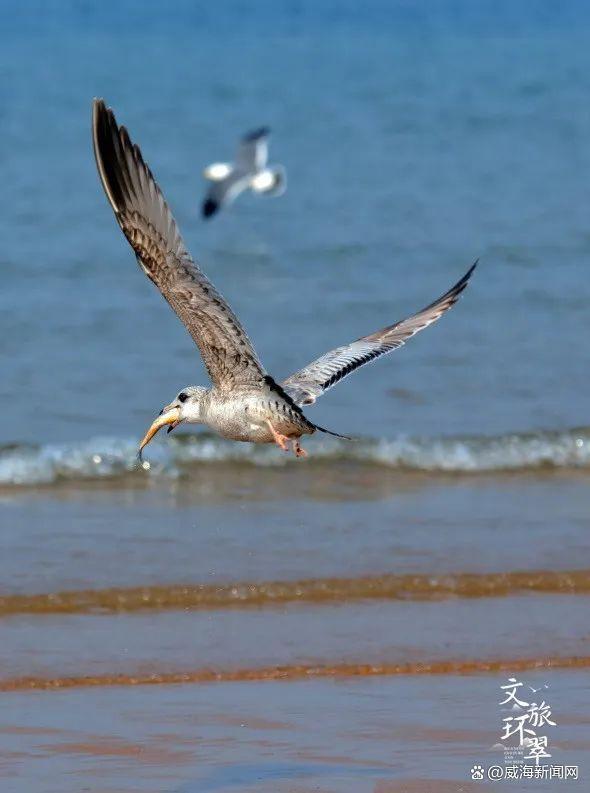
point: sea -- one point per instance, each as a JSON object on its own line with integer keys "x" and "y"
{"x": 226, "y": 617}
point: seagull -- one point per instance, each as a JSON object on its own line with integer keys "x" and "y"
{"x": 245, "y": 403}
{"x": 250, "y": 170}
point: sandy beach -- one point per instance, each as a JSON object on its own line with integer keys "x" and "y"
{"x": 376, "y": 668}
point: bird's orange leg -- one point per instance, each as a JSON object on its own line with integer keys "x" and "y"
{"x": 280, "y": 440}
{"x": 299, "y": 452}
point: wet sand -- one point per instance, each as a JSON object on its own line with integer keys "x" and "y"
{"x": 387, "y": 735}
{"x": 220, "y": 633}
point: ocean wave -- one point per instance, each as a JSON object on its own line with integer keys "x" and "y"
{"x": 111, "y": 458}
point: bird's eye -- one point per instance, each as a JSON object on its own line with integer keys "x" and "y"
{"x": 182, "y": 397}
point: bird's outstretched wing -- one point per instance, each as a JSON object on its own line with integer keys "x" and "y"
{"x": 252, "y": 153}
{"x": 146, "y": 221}
{"x": 223, "y": 191}
{"x": 306, "y": 385}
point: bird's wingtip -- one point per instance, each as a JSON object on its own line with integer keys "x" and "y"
{"x": 331, "y": 432}
{"x": 256, "y": 134}
{"x": 465, "y": 280}
{"x": 470, "y": 272}
{"x": 209, "y": 208}
{"x": 99, "y": 107}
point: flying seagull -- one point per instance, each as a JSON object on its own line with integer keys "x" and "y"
{"x": 244, "y": 403}
{"x": 250, "y": 170}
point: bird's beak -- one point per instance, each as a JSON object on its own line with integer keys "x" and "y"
{"x": 170, "y": 415}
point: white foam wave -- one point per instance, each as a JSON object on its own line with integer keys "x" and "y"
{"x": 110, "y": 458}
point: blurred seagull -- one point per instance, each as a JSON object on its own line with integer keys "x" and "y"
{"x": 245, "y": 403}
{"x": 250, "y": 170}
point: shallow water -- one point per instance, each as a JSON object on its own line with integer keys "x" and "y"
{"x": 225, "y": 618}
{"x": 293, "y": 737}
{"x": 213, "y": 601}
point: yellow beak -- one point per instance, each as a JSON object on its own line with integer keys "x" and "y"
{"x": 170, "y": 416}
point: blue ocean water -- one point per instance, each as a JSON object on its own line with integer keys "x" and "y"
{"x": 417, "y": 136}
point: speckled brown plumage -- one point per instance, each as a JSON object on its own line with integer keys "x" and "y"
{"x": 245, "y": 402}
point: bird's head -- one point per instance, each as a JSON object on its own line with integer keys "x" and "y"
{"x": 186, "y": 406}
